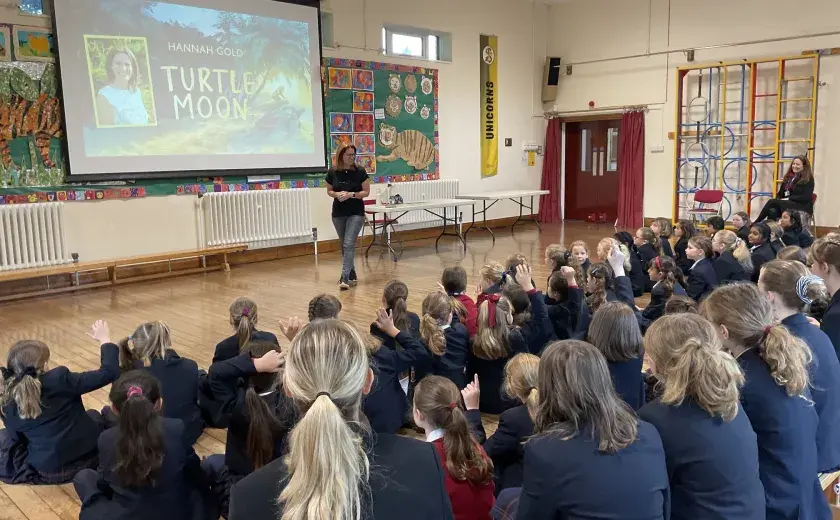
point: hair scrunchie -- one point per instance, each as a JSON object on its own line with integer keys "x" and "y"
{"x": 492, "y": 300}
{"x": 27, "y": 371}
{"x": 802, "y": 287}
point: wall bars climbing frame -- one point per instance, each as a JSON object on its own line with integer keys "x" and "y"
{"x": 738, "y": 126}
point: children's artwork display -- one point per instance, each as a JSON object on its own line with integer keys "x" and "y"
{"x": 389, "y": 112}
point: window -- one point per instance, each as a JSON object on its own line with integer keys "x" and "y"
{"x": 585, "y": 144}
{"x": 612, "y": 149}
{"x": 416, "y": 43}
{"x": 327, "y": 34}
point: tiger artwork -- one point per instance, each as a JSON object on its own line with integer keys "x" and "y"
{"x": 410, "y": 145}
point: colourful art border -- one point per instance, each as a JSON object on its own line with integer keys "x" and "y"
{"x": 195, "y": 189}
{"x": 73, "y": 195}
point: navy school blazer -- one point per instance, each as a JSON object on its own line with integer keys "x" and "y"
{"x": 761, "y": 255}
{"x": 177, "y": 485}
{"x": 506, "y": 447}
{"x": 491, "y": 374}
{"x": 656, "y": 307}
{"x": 799, "y": 238}
{"x": 406, "y": 483}
{"x": 629, "y": 381}
{"x": 572, "y": 479}
{"x": 452, "y": 364}
{"x": 646, "y": 254}
{"x": 712, "y": 463}
{"x": 744, "y": 233}
{"x": 825, "y": 389}
{"x": 63, "y": 434}
{"x": 564, "y": 315}
{"x": 228, "y": 348}
{"x": 729, "y": 269}
{"x": 830, "y": 323}
{"x": 386, "y": 404}
{"x": 179, "y": 384}
{"x": 786, "y": 431}
{"x": 638, "y": 273}
{"x": 228, "y": 379}
{"x": 539, "y": 330}
{"x": 701, "y": 279}
{"x": 683, "y": 262}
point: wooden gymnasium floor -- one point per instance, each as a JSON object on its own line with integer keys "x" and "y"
{"x": 195, "y": 307}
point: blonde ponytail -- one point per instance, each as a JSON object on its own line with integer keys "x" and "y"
{"x": 437, "y": 312}
{"x": 326, "y": 371}
{"x": 520, "y": 381}
{"x": 747, "y": 315}
{"x": 788, "y": 358}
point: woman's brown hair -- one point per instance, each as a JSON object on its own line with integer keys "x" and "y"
{"x": 324, "y": 307}
{"x": 615, "y": 332}
{"x": 577, "y": 394}
{"x": 437, "y": 312}
{"x": 109, "y": 66}
{"x": 396, "y": 299}
{"x": 748, "y": 318}
{"x": 339, "y": 155}
{"x": 689, "y": 362}
{"x": 522, "y": 379}
{"x": 25, "y": 362}
{"x": 495, "y": 321}
{"x": 243, "y": 316}
{"x": 438, "y": 399}
{"x": 806, "y": 175}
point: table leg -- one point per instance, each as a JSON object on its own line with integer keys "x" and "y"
{"x": 443, "y": 230}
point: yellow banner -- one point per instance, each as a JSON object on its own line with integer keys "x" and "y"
{"x": 489, "y": 46}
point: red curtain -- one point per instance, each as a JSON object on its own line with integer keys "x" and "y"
{"x": 631, "y": 164}
{"x": 550, "y": 204}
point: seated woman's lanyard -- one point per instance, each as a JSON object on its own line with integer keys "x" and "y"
{"x": 789, "y": 184}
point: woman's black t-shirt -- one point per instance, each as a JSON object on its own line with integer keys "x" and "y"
{"x": 350, "y": 181}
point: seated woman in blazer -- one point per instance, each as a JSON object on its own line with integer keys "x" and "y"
{"x": 795, "y": 233}
{"x": 590, "y": 457}
{"x": 795, "y": 192}
{"x": 386, "y": 477}
{"x": 734, "y": 263}
{"x": 701, "y": 276}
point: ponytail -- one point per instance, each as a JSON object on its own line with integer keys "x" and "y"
{"x": 395, "y": 296}
{"x": 747, "y": 315}
{"x": 520, "y": 382}
{"x": 326, "y": 370}
{"x": 263, "y": 425}
{"x": 432, "y": 335}
{"x": 150, "y": 341}
{"x": 437, "y": 311}
{"x": 25, "y": 362}
{"x": 788, "y": 358}
{"x": 140, "y": 443}
{"x": 494, "y": 322}
{"x": 733, "y": 243}
{"x": 244, "y": 316}
{"x": 438, "y": 399}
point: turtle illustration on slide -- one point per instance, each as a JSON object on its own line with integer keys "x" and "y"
{"x": 410, "y": 145}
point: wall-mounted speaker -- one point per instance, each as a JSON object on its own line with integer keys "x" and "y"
{"x": 551, "y": 77}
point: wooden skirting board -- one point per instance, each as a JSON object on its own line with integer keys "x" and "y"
{"x": 30, "y": 283}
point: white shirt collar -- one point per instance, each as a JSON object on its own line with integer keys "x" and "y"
{"x": 266, "y": 393}
{"x": 434, "y": 435}
{"x": 695, "y": 263}
{"x": 657, "y": 283}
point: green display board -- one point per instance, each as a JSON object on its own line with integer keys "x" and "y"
{"x": 389, "y": 112}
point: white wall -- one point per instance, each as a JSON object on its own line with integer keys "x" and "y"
{"x": 107, "y": 229}
{"x": 582, "y": 30}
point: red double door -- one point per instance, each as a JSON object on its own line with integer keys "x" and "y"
{"x": 592, "y": 170}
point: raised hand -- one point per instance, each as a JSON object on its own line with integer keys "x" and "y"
{"x": 385, "y": 322}
{"x": 472, "y": 394}
{"x": 523, "y": 276}
{"x": 270, "y": 363}
{"x": 100, "y": 332}
{"x": 291, "y": 326}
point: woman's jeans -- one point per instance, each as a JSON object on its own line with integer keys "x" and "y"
{"x": 348, "y": 229}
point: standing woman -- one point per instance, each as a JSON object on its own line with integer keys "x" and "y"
{"x": 795, "y": 191}
{"x": 347, "y": 184}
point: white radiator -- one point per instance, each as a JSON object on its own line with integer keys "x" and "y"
{"x": 424, "y": 190}
{"x": 32, "y": 235}
{"x": 257, "y": 218}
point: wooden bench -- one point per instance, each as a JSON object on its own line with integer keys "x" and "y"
{"x": 112, "y": 266}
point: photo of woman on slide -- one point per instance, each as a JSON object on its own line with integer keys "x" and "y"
{"x": 119, "y": 102}
{"x": 118, "y": 67}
